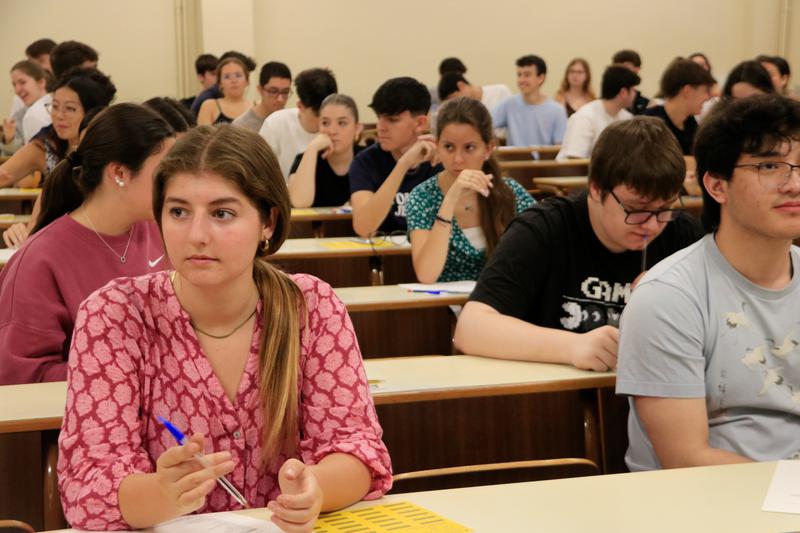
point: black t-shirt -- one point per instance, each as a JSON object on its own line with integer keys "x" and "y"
{"x": 685, "y": 136}
{"x": 640, "y": 104}
{"x": 550, "y": 269}
{"x": 370, "y": 169}
{"x": 330, "y": 189}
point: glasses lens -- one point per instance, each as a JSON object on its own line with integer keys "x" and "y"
{"x": 378, "y": 237}
{"x": 774, "y": 174}
{"x": 668, "y": 215}
{"x": 638, "y": 217}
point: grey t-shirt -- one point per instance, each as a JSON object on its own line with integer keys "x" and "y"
{"x": 249, "y": 120}
{"x": 696, "y": 328}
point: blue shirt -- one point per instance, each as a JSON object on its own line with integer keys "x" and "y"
{"x": 369, "y": 170}
{"x": 531, "y": 125}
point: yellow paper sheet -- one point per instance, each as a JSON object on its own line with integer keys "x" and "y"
{"x": 352, "y": 245}
{"x": 402, "y": 517}
{"x": 297, "y": 211}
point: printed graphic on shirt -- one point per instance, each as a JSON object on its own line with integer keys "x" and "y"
{"x": 400, "y": 200}
{"x": 600, "y": 304}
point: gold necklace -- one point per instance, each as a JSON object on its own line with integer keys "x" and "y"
{"x": 172, "y": 276}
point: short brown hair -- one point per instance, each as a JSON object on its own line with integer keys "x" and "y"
{"x": 682, "y": 72}
{"x": 641, "y": 154}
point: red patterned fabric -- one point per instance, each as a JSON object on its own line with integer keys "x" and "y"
{"x": 135, "y": 356}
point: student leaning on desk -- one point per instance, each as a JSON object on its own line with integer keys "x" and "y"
{"x": 262, "y": 369}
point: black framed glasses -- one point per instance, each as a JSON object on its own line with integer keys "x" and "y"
{"x": 273, "y": 92}
{"x": 772, "y": 174}
{"x": 635, "y": 217}
{"x": 395, "y": 237}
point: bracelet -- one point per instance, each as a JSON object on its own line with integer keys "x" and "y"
{"x": 443, "y": 220}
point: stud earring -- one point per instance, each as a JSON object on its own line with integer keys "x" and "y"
{"x": 119, "y": 181}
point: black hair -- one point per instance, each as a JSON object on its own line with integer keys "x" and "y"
{"x": 627, "y": 56}
{"x": 248, "y": 62}
{"x": 705, "y": 58}
{"x": 273, "y": 69}
{"x": 780, "y": 63}
{"x": 397, "y": 95}
{"x": 204, "y": 63}
{"x": 313, "y": 85}
{"x": 752, "y": 72}
{"x": 70, "y": 54}
{"x": 682, "y": 72}
{"x": 40, "y": 48}
{"x": 616, "y": 78}
{"x": 452, "y": 64}
{"x": 535, "y": 61}
{"x": 173, "y": 112}
{"x": 752, "y": 125}
{"x": 448, "y": 84}
{"x": 124, "y": 133}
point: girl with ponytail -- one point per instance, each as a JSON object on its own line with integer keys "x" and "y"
{"x": 456, "y": 217}
{"x": 96, "y": 225}
{"x": 260, "y": 369}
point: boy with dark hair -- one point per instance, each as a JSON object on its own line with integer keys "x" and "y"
{"x": 530, "y": 117}
{"x": 447, "y": 65}
{"x": 685, "y": 87}
{"x": 588, "y": 122}
{"x": 555, "y": 286}
{"x": 70, "y": 54}
{"x": 39, "y": 52}
{"x": 205, "y": 66}
{"x": 275, "y": 87}
{"x": 288, "y": 131}
{"x": 382, "y": 176}
{"x": 453, "y": 84}
{"x": 709, "y": 349}
{"x": 631, "y": 60}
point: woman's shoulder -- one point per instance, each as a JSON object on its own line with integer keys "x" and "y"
{"x": 311, "y": 286}
{"x": 132, "y": 293}
{"x": 427, "y": 191}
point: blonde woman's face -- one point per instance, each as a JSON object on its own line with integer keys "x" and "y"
{"x": 338, "y": 123}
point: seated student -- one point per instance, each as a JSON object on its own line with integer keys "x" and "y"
{"x": 382, "y": 175}
{"x": 39, "y": 52}
{"x": 275, "y": 87}
{"x": 631, "y": 60}
{"x": 233, "y": 81}
{"x": 779, "y": 72}
{"x": 746, "y": 79}
{"x": 685, "y": 86}
{"x": 70, "y": 54}
{"x": 213, "y": 91}
{"x": 30, "y": 84}
{"x": 320, "y": 177}
{"x": 708, "y": 349}
{"x": 260, "y": 369}
{"x": 78, "y": 93}
{"x": 532, "y": 119}
{"x": 288, "y": 131}
{"x": 93, "y": 228}
{"x": 456, "y": 217}
{"x": 206, "y": 68}
{"x": 448, "y": 64}
{"x": 561, "y": 274}
{"x": 585, "y": 126}
{"x": 173, "y": 112}
{"x": 453, "y": 84}
{"x": 576, "y": 87}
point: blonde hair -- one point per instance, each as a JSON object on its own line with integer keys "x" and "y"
{"x": 244, "y": 158}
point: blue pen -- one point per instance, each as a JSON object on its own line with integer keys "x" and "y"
{"x": 181, "y": 438}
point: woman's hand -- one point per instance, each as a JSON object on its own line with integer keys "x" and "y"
{"x": 9, "y": 129}
{"x": 322, "y": 144}
{"x": 184, "y": 481}
{"x": 472, "y": 181}
{"x": 297, "y": 508}
{"x": 15, "y": 235}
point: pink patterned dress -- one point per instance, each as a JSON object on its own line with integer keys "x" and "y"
{"x": 135, "y": 356}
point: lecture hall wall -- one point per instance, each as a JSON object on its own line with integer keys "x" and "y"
{"x": 365, "y": 41}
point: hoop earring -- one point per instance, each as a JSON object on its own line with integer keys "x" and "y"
{"x": 265, "y": 245}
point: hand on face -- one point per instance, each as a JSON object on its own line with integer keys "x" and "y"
{"x": 184, "y": 481}
{"x": 422, "y": 150}
{"x": 473, "y": 180}
{"x": 297, "y": 508}
{"x": 322, "y": 144}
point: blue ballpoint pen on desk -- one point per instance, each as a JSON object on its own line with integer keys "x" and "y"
{"x": 181, "y": 438}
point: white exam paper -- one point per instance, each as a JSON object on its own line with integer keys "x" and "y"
{"x": 783, "y": 495}
{"x": 217, "y": 523}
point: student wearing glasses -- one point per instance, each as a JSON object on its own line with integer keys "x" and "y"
{"x": 261, "y": 369}
{"x": 710, "y": 343}
{"x": 556, "y": 284}
{"x": 275, "y": 88}
{"x": 233, "y": 80}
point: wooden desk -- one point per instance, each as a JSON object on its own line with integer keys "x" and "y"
{"x": 390, "y": 297}
{"x": 322, "y": 249}
{"x": 525, "y": 171}
{"x": 320, "y": 214}
{"x": 526, "y": 153}
{"x": 8, "y": 221}
{"x": 13, "y": 194}
{"x": 562, "y": 185}
{"x": 687, "y": 500}
{"x": 5, "y": 255}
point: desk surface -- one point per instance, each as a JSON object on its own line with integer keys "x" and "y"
{"x": 330, "y": 247}
{"x": 688, "y": 500}
{"x": 314, "y": 214}
{"x": 386, "y": 297}
{"x": 40, "y": 406}
{"x": 564, "y": 182}
{"x": 11, "y": 193}
{"x": 7, "y": 221}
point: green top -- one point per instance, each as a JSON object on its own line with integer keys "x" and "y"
{"x": 463, "y": 260}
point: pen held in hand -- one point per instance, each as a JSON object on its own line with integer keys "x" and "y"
{"x": 644, "y": 254}
{"x": 223, "y": 481}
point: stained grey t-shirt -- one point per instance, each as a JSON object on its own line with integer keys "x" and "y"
{"x": 696, "y": 328}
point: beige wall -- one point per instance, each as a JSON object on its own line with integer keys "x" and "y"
{"x": 365, "y": 42}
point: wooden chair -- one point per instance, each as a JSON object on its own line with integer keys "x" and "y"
{"x": 494, "y": 473}
{"x": 16, "y": 524}
{"x": 526, "y": 153}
